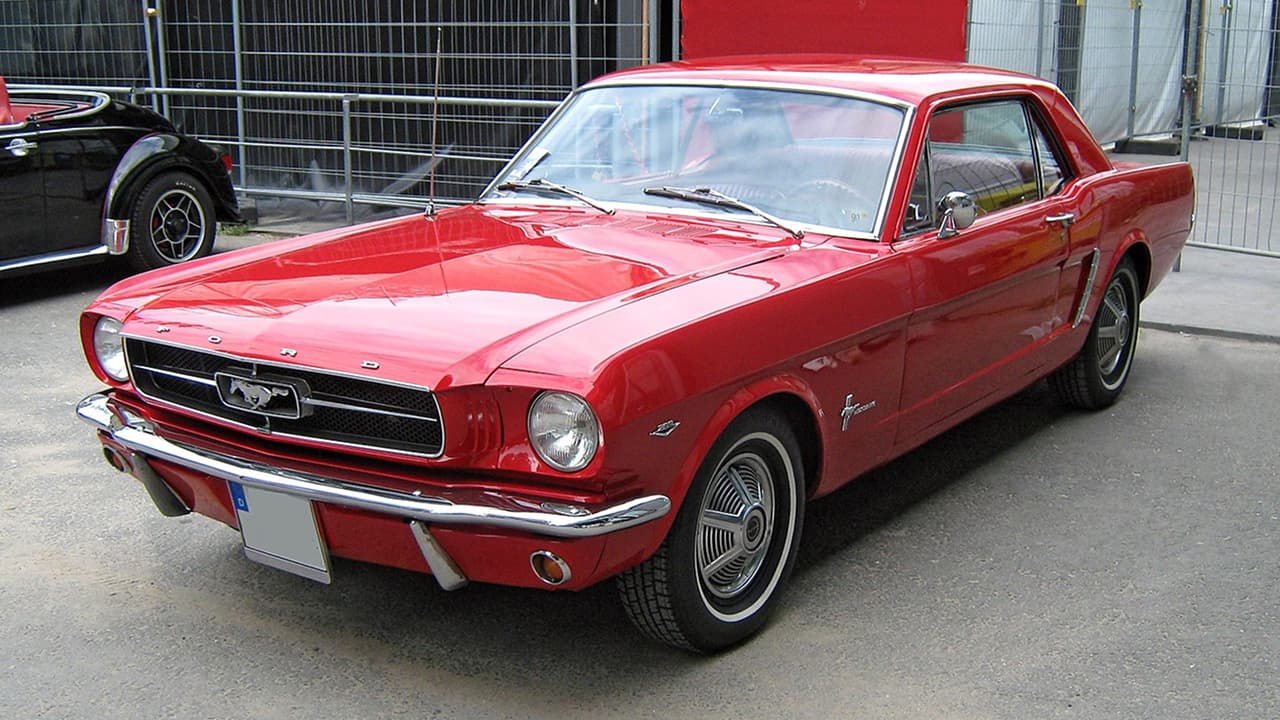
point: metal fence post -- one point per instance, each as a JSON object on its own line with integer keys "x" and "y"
{"x": 1136, "y": 5}
{"x": 573, "y": 44}
{"x": 1040, "y": 38}
{"x": 1224, "y": 52}
{"x": 346, "y": 155}
{"x": 161, "y": 61}
{"x": 655, "y": 49}
{"x": 238, "y": 64}
{"x": 149, "y": 12}
{"x": 675, "y": 29}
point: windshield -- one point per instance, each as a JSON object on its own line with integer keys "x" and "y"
{"x": 803, "y": 158}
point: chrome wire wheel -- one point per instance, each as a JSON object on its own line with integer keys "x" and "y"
{"x": 1113, "y": 329}
{"x": 720, "y": 571}
{"x": 176, "y": 225}
{"x": 735, "y": 525}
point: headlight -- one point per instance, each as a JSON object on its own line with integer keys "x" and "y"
{"x": 563, "y": 430}
{"x": 109, "y": 348}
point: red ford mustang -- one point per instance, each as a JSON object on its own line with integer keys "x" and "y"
{"x": 702, "y": 295}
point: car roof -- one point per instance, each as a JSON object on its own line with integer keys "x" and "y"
{"x": 906, "y": 80}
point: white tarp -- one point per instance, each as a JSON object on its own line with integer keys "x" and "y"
{"x": 1014, "y": 34}
{"x": 1234, "y": 91}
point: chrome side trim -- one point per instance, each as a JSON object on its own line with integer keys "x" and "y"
{"x": 1088, "y": 287}
{"x": 136, "y": 433}
{"x": 178, "y": 376}
{"x": 115, "y": 236}
{"x": 445, "y": 570}
{"x": 50, "y": 258}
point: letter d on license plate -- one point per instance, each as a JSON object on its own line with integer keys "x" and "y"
{"x": 280, "y": 530}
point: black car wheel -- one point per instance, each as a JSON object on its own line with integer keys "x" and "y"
{"x": 721, "y": 569}
{"x": 1096, "y": 376}
{"x": 172, "y": 222}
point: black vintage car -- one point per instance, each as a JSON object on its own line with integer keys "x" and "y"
{"x": 83, "y": 176}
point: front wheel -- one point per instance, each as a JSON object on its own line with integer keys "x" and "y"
{"x": 172, "y": 222}
{"x": 721, "y": 568}
{"x": 1095, "y": 377}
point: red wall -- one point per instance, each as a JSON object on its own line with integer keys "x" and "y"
{"x": 905, "y": 28}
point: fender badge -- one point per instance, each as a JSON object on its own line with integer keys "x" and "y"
{"x": 852, "y": 408}
{"x": 665, "y": 428}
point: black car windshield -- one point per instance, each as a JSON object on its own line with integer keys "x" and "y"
{"x": 803, "y": 158}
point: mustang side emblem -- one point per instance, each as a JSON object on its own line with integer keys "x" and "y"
{"x": 852, "y": 408}
{"x": 269, "y": 395}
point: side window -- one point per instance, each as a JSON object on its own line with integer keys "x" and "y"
{"x": 984, "y": 150}
{"x": 995, "y": 152}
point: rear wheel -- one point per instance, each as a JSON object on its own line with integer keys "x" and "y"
{"x": 721, "y": 569}
{"x": 172, "y": 222}
{"x": 1095, "y": 377}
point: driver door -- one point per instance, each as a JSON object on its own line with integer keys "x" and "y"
{"x": 984, "y": 296}
{"x": 22, "y": 229}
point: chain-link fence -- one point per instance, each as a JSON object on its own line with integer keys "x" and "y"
{"x": 334, "y": 100}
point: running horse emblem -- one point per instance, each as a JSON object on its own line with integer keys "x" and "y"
{"x": 256, "y": 396}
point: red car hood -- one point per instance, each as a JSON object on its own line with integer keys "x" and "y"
{"x": 438, "y": 302}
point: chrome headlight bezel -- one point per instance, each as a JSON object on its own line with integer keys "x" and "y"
{"x": 563, "y": 430}
{"x": 108, "y": 348}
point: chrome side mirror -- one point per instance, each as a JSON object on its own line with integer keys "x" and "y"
{"x": 958, "y": 212}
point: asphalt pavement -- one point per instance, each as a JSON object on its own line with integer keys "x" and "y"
{"x": 1220, "y": 293}
{"x": 1035, "y": 562}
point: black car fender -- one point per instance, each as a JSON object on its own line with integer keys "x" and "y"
{"x": 156, "y": 153}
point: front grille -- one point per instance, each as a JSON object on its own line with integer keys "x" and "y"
{"x": 338, "y": 409}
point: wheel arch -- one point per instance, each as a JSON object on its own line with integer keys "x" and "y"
{"x": 786, "y": 395}
{"x": 1135, "y": 248}
{"x": 147, "y": 158}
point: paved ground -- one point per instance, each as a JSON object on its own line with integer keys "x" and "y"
{"x": 1033, "y": 563}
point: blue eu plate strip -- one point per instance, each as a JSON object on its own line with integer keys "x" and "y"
{"x": 237, "y": 496}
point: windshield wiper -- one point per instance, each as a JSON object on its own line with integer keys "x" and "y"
{"x": 708, "y": 196}
{"x": 544, "y": 184}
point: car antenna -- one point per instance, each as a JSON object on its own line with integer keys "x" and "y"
{"x": 435, "y": 158}
{"x": 435, "y": 121}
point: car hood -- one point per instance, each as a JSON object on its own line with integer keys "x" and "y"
{"x": 435, "y": 302}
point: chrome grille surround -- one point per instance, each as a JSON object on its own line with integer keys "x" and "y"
{"x": 342, "y": 410}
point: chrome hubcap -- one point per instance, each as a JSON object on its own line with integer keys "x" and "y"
{"x": 177, "y": 226}
{"x": 735, "y": 525}
{"x": 1115, "y": 329}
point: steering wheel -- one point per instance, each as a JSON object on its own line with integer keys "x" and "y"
{"x": 834, "y": 203}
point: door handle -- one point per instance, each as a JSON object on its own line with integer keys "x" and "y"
{"x": 20, "y": 147}
{"x": 1065, "y": 218}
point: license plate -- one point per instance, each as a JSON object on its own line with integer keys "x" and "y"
{"x": 280, "y": 531}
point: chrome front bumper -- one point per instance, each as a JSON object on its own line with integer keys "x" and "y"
{"x": 549, "y": 519}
